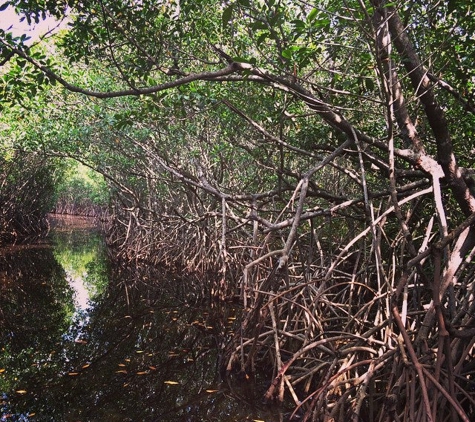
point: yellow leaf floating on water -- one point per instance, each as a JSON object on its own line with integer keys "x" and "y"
{"x": 21, "y": 391}
{"x": 171, "y": 382}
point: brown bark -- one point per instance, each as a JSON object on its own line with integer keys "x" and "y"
{"x": 424, "y": 90}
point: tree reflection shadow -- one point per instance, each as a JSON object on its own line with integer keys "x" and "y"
{"x": 35, "y": 309}
{"x": 141, "y": 351}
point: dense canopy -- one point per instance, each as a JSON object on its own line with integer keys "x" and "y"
{"x": 312, "y": 158}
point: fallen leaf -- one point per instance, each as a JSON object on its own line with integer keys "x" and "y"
{"x": 21, "y": 391}
{"x": 171, "y": 382}
{"x": 121, "y": 371}
{"x": 211, "y": 391}
{"x": 73, "y": 374}
{"x": 153, "y": 368}
{"x": 142, "y": 373}
{"x": 122, "y": 364}
{"x": 2, "y": 370}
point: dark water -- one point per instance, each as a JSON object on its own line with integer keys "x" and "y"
{"x": 83, "y": 341}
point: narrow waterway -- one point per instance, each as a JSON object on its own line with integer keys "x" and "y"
{"x": 82, "y": 340}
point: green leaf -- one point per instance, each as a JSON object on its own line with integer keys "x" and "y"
{"x": 299, "y": 25}
{"x": 258, "y": 25}
{"x": 312, "y": 15}
{"x": 289, "y": 52}
{"x": 227, "y": 15}
{"x": 321, "y": 23}
{"x": 262, "y": 38}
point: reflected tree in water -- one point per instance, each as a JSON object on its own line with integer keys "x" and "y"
{"x": 139, "y": 352}
{"x": 35, "y": 309}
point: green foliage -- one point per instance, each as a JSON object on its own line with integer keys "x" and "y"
{"x": 324, "y": 48}
{"x": 27, "y": 186}
{"x": 82, "y": 254}
{"x": 80, "y": 190}
{"x": 20, "y": 80}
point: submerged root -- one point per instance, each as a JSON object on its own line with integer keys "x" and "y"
{"x": 337, "y": 353}
{"x": 337, "y": 335}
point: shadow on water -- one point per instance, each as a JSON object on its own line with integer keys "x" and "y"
{"x": 83, "y": 341}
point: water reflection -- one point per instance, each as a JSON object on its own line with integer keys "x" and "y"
{"x": 80, "y": 250}
{"x": 138, "y": 352}
{"x": 35, "y": 310}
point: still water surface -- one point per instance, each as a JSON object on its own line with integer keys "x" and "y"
{"x": 81, "y": 340}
